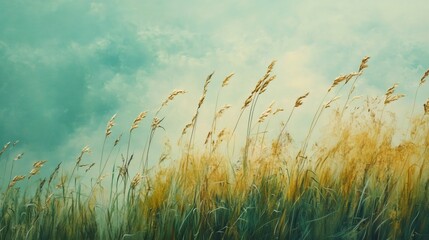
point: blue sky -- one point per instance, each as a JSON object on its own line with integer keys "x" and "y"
{"x": 68, "y": 66}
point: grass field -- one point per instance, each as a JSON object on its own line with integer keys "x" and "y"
{"x": 351, "y": 183}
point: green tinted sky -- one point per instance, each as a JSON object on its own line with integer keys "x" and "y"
{"x": 68, "y": 66}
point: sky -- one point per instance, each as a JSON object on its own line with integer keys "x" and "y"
{"x": 68, "y": 66}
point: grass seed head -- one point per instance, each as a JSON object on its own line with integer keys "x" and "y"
{"x": 186, "y": 128}
{"x": 299, "y": 100}
{"x": 227, "y": 79}
{"x": 117, "y": 140}
{"x": 328, "y": 104}
{"x": 363, "y": 64}
{"x": 278, "y": 110}
{"x": 425, "y": 75}
{"x": 247, "y": 101}
{"x": 342, "y": 78}
{"x": 138, "y": 120}
{"x": 222, "y": 110}
{"x": 172, "y": 96}
{"x": 266, "y": 113}
{"x": 389, "y": 97}
{"x": 39, "y": 164}
{"x": 136, "y": 180}
{"x": 155, "y": 123}
{"x": 266, "y": 83}
{"x": 15, "y": 180}
{"x": 110, "y": 124}
{"x": 208, "y": 137}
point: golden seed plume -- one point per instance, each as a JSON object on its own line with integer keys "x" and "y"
{"x": 266, "y": 113}
{"x": 110, "y": 124}
{"x": 247, "y": 102}
{"x": 266, "y": 83}
{"x": 342, "y": 78}
{"x": 208, "y": 137}
{"x": 39, "y": 164}
{"x": 227, "y": 79}
{"x": 186, "y": 128}
{"x": 206, "y": 84}
{"x": 299, "y": 100}
{"x": 138, "y": 120}
{"x": 278, "y": 110}
{"x": 363, "y": 64}
{"x": 5, "y": 147}
{"x": 84, "y": 150}
{"x": 423, "y": 79}
{"x": 172, "y": 96}
{"x": 222, "y": 110}
{"x": 15, "y": 180}
{"x": 155, "y": 122}
{"x": 136, "y": 180}
{"x": 389, "y": 97}
{"x": 328, "y": 104}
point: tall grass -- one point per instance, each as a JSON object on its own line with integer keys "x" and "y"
{"x": 353, "y": 183}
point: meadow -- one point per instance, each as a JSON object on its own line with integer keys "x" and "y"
{"x": 354, "y": 181}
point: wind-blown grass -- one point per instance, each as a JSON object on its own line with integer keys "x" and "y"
{"x": 353, "y": 183}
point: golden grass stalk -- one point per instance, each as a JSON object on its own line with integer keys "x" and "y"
{"x": 278, "y": 110}
{"x": 222, "y": 110}
{"x": 299, "y": 100}
{"x": 39, "y": 164}
{"x": 36, "y": 168}
{"x": 298, "y": 103}
{"x": 193, "y": 122}
{"x": 364, "y": 64}
{"x": 110, "y": 125}
{"x": 51, "y": 177}
{"x": 260, "y": 88}
{"x": 170, "y": 98}
{"x": 138, "y": 119}
{"x": 209, "y": 134}
{"x": 84, "y": 150}
{"x": 227, "y": 79}
{"x": 266, "y": 113}
{"x": 423, "y": 79}
{"x": 389, "y": 97}
{"x": 15, "y": 180}
{"x": 136, "y": 180}
{"x": 5, "y": 147}
{"x": 328, "y": 104}
{"x": 343, "y": 78}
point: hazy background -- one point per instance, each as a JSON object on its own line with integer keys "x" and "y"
{"x": 67, "y": 66}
